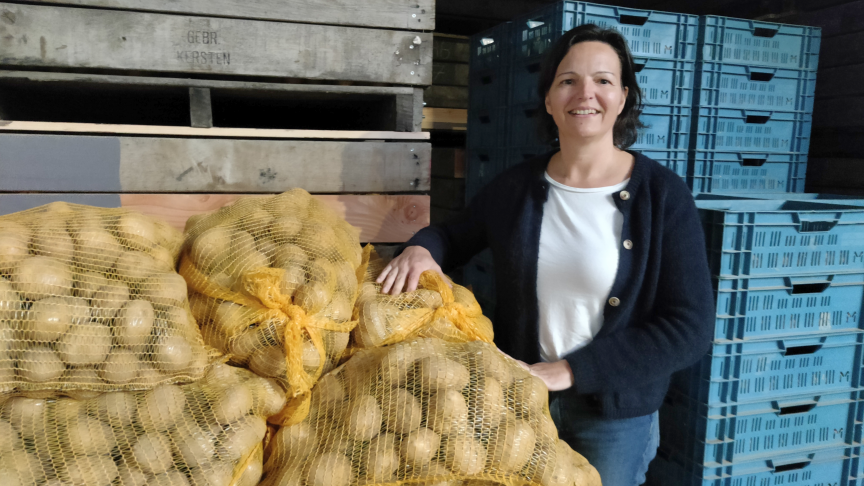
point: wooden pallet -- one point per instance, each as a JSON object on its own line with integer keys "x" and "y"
{"x": 137, "y": 100}
{"x": 445, "y": 119}
{"x": 448, "y": 162}
{"x": 388, "y": 14}
{"x": 48, "y": 36}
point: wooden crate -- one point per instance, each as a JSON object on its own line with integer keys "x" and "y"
{"x": 137, "y": 100}
{"x": 388, "y": 14}
{"x": 448, "y": 162}
{"x": 445, "y": 119}
{"x": 446, "y": 97}
{"x": 47, "y": 36}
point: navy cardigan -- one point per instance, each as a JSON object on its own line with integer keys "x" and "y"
{"x": 660, "y": 314}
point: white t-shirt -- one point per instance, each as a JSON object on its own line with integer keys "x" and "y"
{"x": 580, "y": 238}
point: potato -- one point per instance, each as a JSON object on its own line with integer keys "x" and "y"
{"x": 496, "y": 365}
{"x": 283, "y": 476}
{"x": 118, "y": 409}
{"x": 167, "y": 288}
{"x": 380, "y": 458}
{"x": 328, "y": 395}
{"x": 210, "y": 248}
{"x": 438, "y": 476}
{"x": 290, "y": 256}
{"x": 488, "y": 404}
{"x": 437, "y": 372}
{"x": 9, "y": 439}
{"x": 294, "y": 443}
{"x": 292, "y": 279}
{"x": 196, "y": 447}
{"x": 269, "y": 361}
{"x": 169, "y": 478}
{"x": 363, "y": 418}
{"x": 464, "y": 455}
{"x": 321, "y": 270}
{"x": 234, "y": 402}
{"x": 95, "y": 249}
{"x": 266, "y": 246}
{"x": 311, "y": 357}
{"x": 257, "y": 223}
{"x": 120, "y": 368}
{"x": 245, "y": 262}
{"x": 87, "y": 346}
{"x": 134, "y": 323}
{"x": 88, "y": 282}
{"x": 39, "y": 277}
{"x": 152, "y": 452}
{"x": 136, "y": 231}
{"x": 398, "y": 363}
{"x": 220, "y": 374}
{"x": 295, "y": 201}
{"x": 173, "y": 354}
{"x": 251, "y": 474}
{"x": 48, "y": 319}
{"x": 313, "y": 296}
{"x": 316, "y": 236}
{"x": 109, "y": 299}
{"x": 339, "y": 309}
{"x": 402, "y": 412}
{"x": 131, "y": 476}
{"x": 89, "y": 436}
{"x": 558, "y": 471}
{"x": 368, "y": 293}
{"x": 40, "y": 364}
{"x": 269, "y": 397}
{"x": 162, "y": 406}
{"x": 447, "y": 413}
{"x": 213, "y": 474}
{"x": 11, "y": 306}
{"x": 284, "y": 228}
{"x": 374, "y": 325}
{"x": 335, "y": 342}
{"x": 227, "y": 314}
{"x": 528, "y": 396}
{"x": 511, "y": 445}
{"x": 419, "y": 447}
{"x": 51, "y": 241}
{"x": 25, "y": 414}
{"x": 329, "y": 469}
{"x": 137, "y": 265}
{"x": 13, "y": 249}
{"x": 242, "y": 437}
{"x": 20, "y": 468}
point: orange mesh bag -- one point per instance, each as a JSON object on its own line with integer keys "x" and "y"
{"x": 90, "y": 303}
{"x": 438, "y": 308}
{"x": 426, "y": 412}
{"x": 208, "y": 433}
{"x": 273, "y": 282}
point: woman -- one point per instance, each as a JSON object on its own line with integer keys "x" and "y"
{"x": 601, "y": 270}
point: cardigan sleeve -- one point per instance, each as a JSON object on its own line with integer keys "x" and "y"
{"x": 677, "y": 333}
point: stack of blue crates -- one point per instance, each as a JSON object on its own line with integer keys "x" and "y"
{"x": 776, "y": 400}
{"x": 753, "y": 106}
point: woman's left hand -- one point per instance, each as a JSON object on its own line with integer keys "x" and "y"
{"x": 557, "y": 376}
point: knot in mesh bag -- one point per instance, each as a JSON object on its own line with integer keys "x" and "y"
{"x": 273, "y": 282}
{"x": 437, "y": 309}
{"x": 426, "y": 412}
{"x": 90, "y": 303}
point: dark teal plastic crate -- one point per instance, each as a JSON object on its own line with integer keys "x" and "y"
{"x": 488, "y": 88}
{"x": 717, "y": 436}
{"x": 743, "y": 172}
{"x": 823, "y": 467}
{"x": 754, "y": 371}
{"x": 760, "y": 238}
{"x": 674, "y": 160}
{"x": 489, "y": 69}
{"x": 487, "y": 128}
{"x": 776, "y": 307}
{"x": 491, "y": 48}
{"x": 735, "y": 130}
{"x": 725, "y": 85}
{"x": 649, "y": 33}
{"x": 482, "y": 165}
{"x": 757, "y": 43}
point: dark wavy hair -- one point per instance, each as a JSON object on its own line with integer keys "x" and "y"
{"x": 625, "y": 131}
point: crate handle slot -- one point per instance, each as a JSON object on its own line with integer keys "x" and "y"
{"x": 802, "y": 350}
{"x": 631, "y": 19}
{"x": 765, "y": 31}
{"x": 816, "y": 226}
{"x": 795, "y": 409}
{"x": 753, "y": 162}
{"x": 486, "y": 79}
{"x": 758, "y": 119}
{"x": 761, "y": 75}
{"x": 790, "y": 467}
{"x": 810, "y": 288}
{"x": 639, "y": 64}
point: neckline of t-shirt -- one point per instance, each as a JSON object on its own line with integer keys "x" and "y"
{"x": 610, "y": 189}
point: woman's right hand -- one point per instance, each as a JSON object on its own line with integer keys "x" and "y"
{"x": 403, "y": 272}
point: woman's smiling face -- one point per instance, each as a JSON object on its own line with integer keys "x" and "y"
{"x": 586, "y": 96}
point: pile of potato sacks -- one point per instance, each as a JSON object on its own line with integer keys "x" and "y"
{"x": 133, "y": 355}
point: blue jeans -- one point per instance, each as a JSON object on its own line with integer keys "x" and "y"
{"x": 620, "y": 449}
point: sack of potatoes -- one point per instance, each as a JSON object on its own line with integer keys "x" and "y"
{"x": 426, "y": 412}
{"x": 207, "y": 433}
{"x": 273, "y": 282}
{"x": 438, "y": 308}
{"x": 90, "y": 302}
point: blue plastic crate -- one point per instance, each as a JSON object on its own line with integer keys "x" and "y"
{"x": 662, "y": 81}
{"x": 716, "y": 436}
{"x": 489, "y": 69}
{"x": 482, "y": 165}
{"x": 742, "y": 372}
{"x": 743, "y": 172}
{"x": 668, "y": 128}
{"x": 776, "y": 307}
{"x": 724, "y": 85}
{"x": 674, "y": 160}
{"x": 824, "y": 467}
{"x": 488, "y": 88}
{"x": 649, "y": 33}
{"x": 491, "y": 48}
{"x": 523, "y": 123}
{"x": 756, "y": 43}
{"x": 487, "y": 128}
{"x": 760, "y": 238}
{"x": 733, "y": 130}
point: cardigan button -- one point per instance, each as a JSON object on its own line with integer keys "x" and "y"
{"x": 624, "y": 195}
{"x": 614, "y": 301}
{"x": 628, "y": 244}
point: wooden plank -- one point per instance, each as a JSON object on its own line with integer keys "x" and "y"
{"x": 448, "y": 74}
{"x": 388, "y": 14}
{"x": 385, "y": 219}
{"x": 842, "y": 50}
{"x": 79, "y": 38}
{"x": 839, "y": 112}
{"x": 70, "y": 163}
{"x": 839, "y": 81}
{"x": 835, "y": 172}
{"x": 448, "y": 162}
{"x": 200, "y": 108}
{"x": 452, "y": 48}
{"x": 446, "y": 97}
{"x": 445, "y": 119}
{"x": 49, "y": 127}
{"x": 448, "y": 193}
